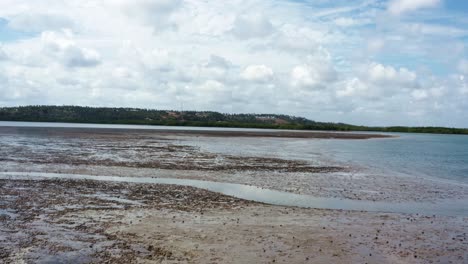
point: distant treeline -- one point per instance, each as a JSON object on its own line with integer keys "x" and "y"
{"x": 101, "y": 115}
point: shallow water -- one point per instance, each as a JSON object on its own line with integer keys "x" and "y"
{"x": 424, "y": 155}
{"x": 141, "y": 127}
{"x": 443, "y": 157}
{"x": 448, "y": 208}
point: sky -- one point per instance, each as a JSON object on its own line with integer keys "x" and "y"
{"x": 366, "y": 62}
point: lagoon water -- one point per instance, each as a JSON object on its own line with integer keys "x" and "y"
{"x": 425, "y": 155}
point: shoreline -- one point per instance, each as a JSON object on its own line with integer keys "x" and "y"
{"x": 207, "y": 133}
{"x": 151, "y": 223}
{"x": 130, "y": 222}
{"x": 261, "y": 195}
{"x": 353, "y": 185}
{"x": 261, "y": 162}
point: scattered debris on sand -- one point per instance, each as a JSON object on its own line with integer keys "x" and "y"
{"x": 79, "y": 221}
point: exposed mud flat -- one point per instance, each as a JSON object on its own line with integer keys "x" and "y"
{"x": 63, "y": 221}
{"x": 132, "y": 149}
{"x": 83, "y": 221}
{"x": 198, "y": 132}
{"x": 263, "y": 162}
{"x": 341, "y": 185}
{"x": 35, "y": 227}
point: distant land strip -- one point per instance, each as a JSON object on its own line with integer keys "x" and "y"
{"x": 137, "y": 116}
{"x": 107, "y": 132}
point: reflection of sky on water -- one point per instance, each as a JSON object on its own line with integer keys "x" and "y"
{"x": 425, "y": 155}
{"x": 451, "y": 208}
{"x": 435, "y": 156}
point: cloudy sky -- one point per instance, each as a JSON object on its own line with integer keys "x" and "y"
{"x": 373, "y": 62}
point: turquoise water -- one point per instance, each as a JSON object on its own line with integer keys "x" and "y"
{"x": 436, "y": 156}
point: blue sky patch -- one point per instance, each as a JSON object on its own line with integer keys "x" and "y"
{"x": 7, "y": 34}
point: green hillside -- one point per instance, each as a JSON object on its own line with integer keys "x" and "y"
{"x": 102, "y": 115}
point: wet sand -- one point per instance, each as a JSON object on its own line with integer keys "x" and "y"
{"x": 261, "y": 162}
{"x": 63, "y": 221}
{"x": 82, "y": 221}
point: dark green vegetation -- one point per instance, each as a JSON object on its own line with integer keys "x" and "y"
{"x": 77, "y": 114}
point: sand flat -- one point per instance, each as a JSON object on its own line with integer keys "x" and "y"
{"x": 63, "y": 220}
{"x": 86, "y": 221}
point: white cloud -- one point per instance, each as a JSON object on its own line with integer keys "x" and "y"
{"x": 3, "y": 55}
{"x": 213, "y": 86}
{"x": 352, "y": 87}
{"x": 40, "y": 22}
{"x": 382, "y": 74}
{"x": 375, "y": 45}
{"x": 259, "y": 73}
{"x": 345, "y": 22}
{"x": 438, "y": 92}
{"x": 80, "y": 57}
{"x": 419, "y": 29}
{"x": 316, "y": 73}
{"x": 462, "y": 66}
{"x": 376, "y": 82}
{"x": 399, "y": 7}
{"x": 313, "y": 59}
{"x": 212, "y": 93}
{"x": 252, "y": 26}
{"x": 312, "y": 76}
{"x": 63, "y": 47}
{"x": 218, "y": 62}
{"x": 419, "y": 94}
{"x": 159, "y": 14}
{"x": 304, "y": 75}
{"x": 463, "y": 85}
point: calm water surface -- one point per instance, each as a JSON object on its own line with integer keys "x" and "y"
{"x": 436, "y": 156}
{"x": 426, "y": 155}
{"x": 448, "y": 208}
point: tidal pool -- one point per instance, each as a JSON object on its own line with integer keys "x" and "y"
{"x": 252, "y": 193}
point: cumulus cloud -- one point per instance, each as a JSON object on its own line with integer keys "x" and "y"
{"x": 420, "y": 94}
{"x": 156, "y": 13}
{"x": 375, "y": 81}
{"x": 304, "y": 75}
{"x": 375, "y": 45}
{"x": 462, "y": 66}
{"x": 399, "y": 7}
{"x": 213, "y": 86}
{"x": 252, "y": 26}
{"x": 216, "y": 67}
{"x": 218, "y": 62}
{"x": 221, "y": 56}
{"x": 382, "y": 74}
{"x": 80, "y": 57}
{"x": 17, "y": 85}
{"x": 64, "y": 48}
{"x": 310, "y": 77}
{"x": 3, "y": 55}
{"x": 259, "y": 73}
{"x": 345, "y": 21}
{"x": 40, "y": 22}
{"x": 317, "y": 73}
{"x": 352, "y": 87}
{"x": 463, "y": 85}
{"x": 212, "y": 92}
